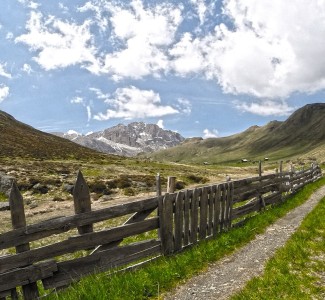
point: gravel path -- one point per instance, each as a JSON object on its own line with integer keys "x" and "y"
{"x": 228, "y": 276}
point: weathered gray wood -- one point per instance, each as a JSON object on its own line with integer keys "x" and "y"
{"x": 76, "y": 243}
{"x": 194, "y": 215}
{"x": 23, "y": 276}
{"x": 260, "y": 169}
{"x": 158, "y": 185}
{"x": 203, "y": 214}
{"x": 223, "y": 206}
{"x": 179, "y": 208}
{"x": 82, "y": 203}
{"x": 18, "y": 220}
{"x": 72, "y": 270}
{"x": 187, "y": 217}
{"x": 137, "y": 217}
{"x": 245, "y": 209}
{"x": 230, "y": 196}
{"x": 63, "y": 224}
{"x": 245, "y": 181}
{"x": 171, "y": 183}
{"x": 217, "y": 208}
{"x": 166, "y": 224}
{"x": 210, "y": 210}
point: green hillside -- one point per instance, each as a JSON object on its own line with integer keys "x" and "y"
{"x": 21, "y": 140}
{"x": 302, "y": 134}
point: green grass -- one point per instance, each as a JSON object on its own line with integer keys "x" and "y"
{"x": 166, "y": 272}
{"x": 297, "y": 270}
{"x": 3, "y": 197}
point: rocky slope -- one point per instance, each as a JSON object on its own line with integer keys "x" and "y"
{"x": 128, "y": 139}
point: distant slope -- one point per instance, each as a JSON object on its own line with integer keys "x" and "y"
{"x": 128, "y": 140}
{"x": 303, "y": 133}
{"x": 21, "y": 140}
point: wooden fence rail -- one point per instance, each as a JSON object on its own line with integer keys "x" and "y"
{"x": 177, "y": 220}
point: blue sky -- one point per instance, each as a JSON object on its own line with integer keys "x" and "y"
{"x": 202, "y": 68}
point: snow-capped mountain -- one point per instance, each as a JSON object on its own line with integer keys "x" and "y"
{"x": 128, "y": 140}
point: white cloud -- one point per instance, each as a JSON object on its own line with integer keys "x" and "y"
{"x": 3, "y": 72}
{"x": 160, "y": 123}
{"x": 59, "y": 44}
{"x": 27, "y": 68}
{"x": 144, "y": 35}
{"x": 9, "y": 36}
{"x": 131, "y": 103}
{"x": 184, "y": 106}
{"x": 277, "y": 48}
{"x": 77, "y": 100}
{"x": 210, "y": 133}
{"x": 4, "y": 92}
{"x": 265, "y": 108}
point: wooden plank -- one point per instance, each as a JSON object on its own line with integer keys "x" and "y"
{"x": 187, "y": 217}
{"x": 223, "y": 205}
{"x": 179, "y": 207}
{"x": 203, "y": 214}
{"x": 166, "y": 224}
{"x": 194, "y": 215}
{"x": 18, "y": 220}
{"x": 243, "y": 182}
{"x": 158, "y": 185}
{"x": 23, "y": 276}
{"x": 82, "y": 203}
{"x": 171, "y": 183}
{"x": 230, "y": 196}
{"x": 217, "y": 208}
{"x": 137, "y": 217}
{"x": 63, "y": 224}
{"x": 76, "y": 243}
{"x": 210, "y": 205}
{"x": 245, "y": 209}
{"x": 75, "y": 269}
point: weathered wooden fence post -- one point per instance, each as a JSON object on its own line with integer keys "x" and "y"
{"x": 165, "y": 206}
{"x": 260, "y": 168}
{"x": 171, "y": 184}
{"x": 158, "y": 185}
{"x": 82, "y": 204}
{"x": 18, "y": 220}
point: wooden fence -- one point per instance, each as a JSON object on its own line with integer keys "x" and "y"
{"x": 179, "y": 220}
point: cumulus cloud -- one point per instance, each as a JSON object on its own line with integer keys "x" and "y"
{"x": 265, "y": 108}
{"x": 27, "y": 68}
{"x": 4, "y": 92}
{"x": 131, "y": 103}
{"x": 271, "y": 49}
{"x": 59, "y": 44}
{"x": 3, "y": 72}
{"x": 265, "y": 49}
{"x": 160, "y": 123}
{"x": 184, "y": 106}
{"x": 210, "y": 133}
{"x": 144, "y": 34}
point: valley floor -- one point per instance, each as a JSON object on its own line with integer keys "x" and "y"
{"x": 227, "y": 277}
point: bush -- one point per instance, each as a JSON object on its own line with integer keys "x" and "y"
{"x": 129, "y": 191}
{"x": 197, "y": 179}
{"x": 123, "y": 182}
{"x": 179, "y": 185}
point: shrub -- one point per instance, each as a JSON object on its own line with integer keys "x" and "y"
{"x": 129, "y": 191}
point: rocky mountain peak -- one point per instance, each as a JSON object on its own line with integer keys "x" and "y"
{"x": 128, "y": 139}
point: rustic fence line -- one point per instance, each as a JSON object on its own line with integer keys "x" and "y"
{"x": 178, "y": 220}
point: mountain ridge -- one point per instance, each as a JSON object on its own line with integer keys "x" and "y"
{"x": 302, "y": 132}
{"x": 127, "y": 140}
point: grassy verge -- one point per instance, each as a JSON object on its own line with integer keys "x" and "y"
{"x": 297, "y": 271}
{"x": 167, "y": 272}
